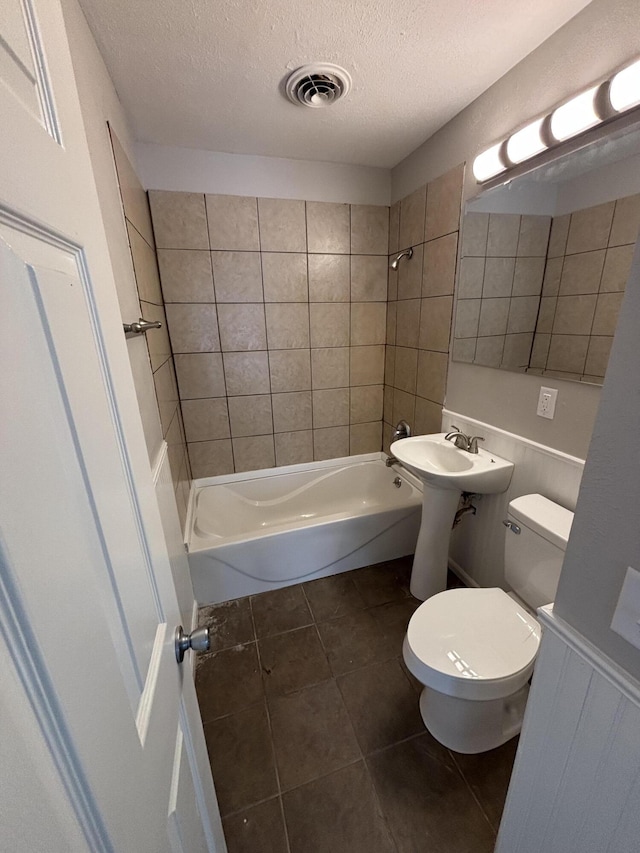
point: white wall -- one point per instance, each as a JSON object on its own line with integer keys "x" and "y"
{"x": 189, "y": 170}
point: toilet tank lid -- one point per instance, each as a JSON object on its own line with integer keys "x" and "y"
{"x": 544, "y": 517}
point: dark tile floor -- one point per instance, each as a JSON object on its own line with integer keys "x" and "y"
{"x": 314, "y": 732}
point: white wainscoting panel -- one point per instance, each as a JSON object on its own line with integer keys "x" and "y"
{"x": 575, "y": 786}
{"x": 477, "y": 544}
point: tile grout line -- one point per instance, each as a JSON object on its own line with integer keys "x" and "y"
{"x": 472, "y": 792}
{"x": 268, "y": 713}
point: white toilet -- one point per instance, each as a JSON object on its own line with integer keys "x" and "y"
{"x": 474, "y": 649}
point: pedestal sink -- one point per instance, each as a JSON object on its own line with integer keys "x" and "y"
{"x": 446, "y": 471}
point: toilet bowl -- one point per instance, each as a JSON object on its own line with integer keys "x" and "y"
{"x": 474, "y": 650}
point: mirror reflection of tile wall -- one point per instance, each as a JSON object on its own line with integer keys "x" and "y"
{"x": 542, "y": 295}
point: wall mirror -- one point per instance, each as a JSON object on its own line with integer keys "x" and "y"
{"x": 544, "y": 261}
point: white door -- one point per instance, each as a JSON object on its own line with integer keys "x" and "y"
{"x": 87, "y": 604}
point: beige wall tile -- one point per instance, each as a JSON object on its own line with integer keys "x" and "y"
{"x": 467, "y": 316}
{"x": 290, "y": 370}
{"x": 428, "y": 417}
{"x": 392, "y": 310}
{"x": 285, "y": 277}
{"x": 242, "y": 327}
{"x": 387, "y": 402}
{"x": 475, "y": 231}
{"x": 237, "y": 276}
{"x": 294, "y": 448}
{"x": 435, "y": 323}
{"x": 200, "y": 374}
{"x": 389, "y": 365}
{"x": 365, "y": 438}
{"x": 250, "y": 415}
{"x": 134, "y": 198}
{"x": 412, "y": 216}
{"x": 409, "y": 275}
{"x": 581, "y": 273}
{"x": 394, "y": 227}
{"x": 540, "y": 350}
{"x": 471, "y": 278}
{"x": 590, "y": 228}
{"x": 444, "y": 200}
{"x": 626, "y": 221}
{"x": 186, "y": 275}
{"x": 205, "y": 420}
{"x": 146, "y": 394}
{"x": 330, "y": 407}
{"x": 574, "y": 315}
{"x": 329, "y": 278}
{"x": 488, "y": 351}
{"x": 534, "y": 236}
{"x": 179, "y": 220}
{"x": 598, "y": 355}
{"x": 406, "y": 369}
{"x": 408, "y": 322}
{"x": 552, "y": 276}
{"x": 145, "y": 267}
{"x": 498, "y": 277}
{"x": 365, "y": 404}
{"x": 254, "y": 453}
{"x": 517, "y": 350}
{"x": 166, "y": 387}
{"x": 211, "y": 458}
{"x": 329, "y": 324}
{"x": 369, "y": 278}
{"x": 502, "y": 239}
{"x": 439, "y": 271}
{"x": 523, "y": 313}
{"x": 528, "y": 276}
{"x": 233, "y": 223}
{"x": 464, "y": 349}
{"x": 547, "y": 314}
{"x": 404, "y": 408}
{"x": 157, "y": 339}
{"x": 367, "y": 365}
{"x": 617, "y": 266}
{"x": 568, "y": 353}
{"x": 330, "y": 367}
{"x": 292, "y": 411}
{"x": 246, "y": 373}
{"x": 369, "y": 229}
{"x": 432, "y": 375}
{"x": 558, "y": 236}
{"x": 283, "y": 226}
{"x": 193, "y": 328}
{"x": 368, "y": 323}
{"x": 328, "y": 227}
{"x": 606, "y": 316}
{"x": 287, "y": 325}
{"x": 494, "y": 315}
{"x": 330, "y": 443}
{"x": 386, "y": 438}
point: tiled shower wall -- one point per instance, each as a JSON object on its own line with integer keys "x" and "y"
{"x": 421, "y": 303}
{"x": 277, "y": 318}
{"x": 163, "y": 393}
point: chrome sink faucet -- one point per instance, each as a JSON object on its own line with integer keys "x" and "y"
{"x": 462, "y": 441}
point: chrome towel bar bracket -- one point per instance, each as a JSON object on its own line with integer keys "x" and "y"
{"x": 141, "y": 327}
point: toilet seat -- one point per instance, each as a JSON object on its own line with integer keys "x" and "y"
{"x": 472, "y": 643}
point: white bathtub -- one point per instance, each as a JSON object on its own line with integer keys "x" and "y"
{"x": 252, "y": 532}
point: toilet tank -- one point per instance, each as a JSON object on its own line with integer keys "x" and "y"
{"x": 533, "y": 557}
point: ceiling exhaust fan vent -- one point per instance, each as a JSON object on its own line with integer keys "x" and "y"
{"x": 317, "y": 85}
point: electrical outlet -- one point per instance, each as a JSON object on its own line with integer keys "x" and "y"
{"x": 547, "y": 402}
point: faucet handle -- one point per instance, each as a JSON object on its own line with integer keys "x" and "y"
{"x": 473, "y": 443}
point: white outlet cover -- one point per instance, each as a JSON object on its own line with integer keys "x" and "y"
{"x": 626, "y": 617}
{"x": 547, "y": 402}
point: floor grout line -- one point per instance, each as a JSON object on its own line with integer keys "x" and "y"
{"x": 471, "y": 791}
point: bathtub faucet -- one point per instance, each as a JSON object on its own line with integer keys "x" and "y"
{"x": 402, "y": 430}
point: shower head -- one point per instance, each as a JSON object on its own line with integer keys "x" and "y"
{"x": 408, "y": 253}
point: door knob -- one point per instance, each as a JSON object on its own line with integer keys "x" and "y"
{"x": 198, "y": 640}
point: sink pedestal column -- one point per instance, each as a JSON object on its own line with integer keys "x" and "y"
{"x": 429, "y": 573}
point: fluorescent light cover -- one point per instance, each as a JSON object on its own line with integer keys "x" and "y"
{"x": 576, "y": 115}
{"x": 624, "y": 91}
{"x": 488, "y": 164}
{"x": 526, "y": 142}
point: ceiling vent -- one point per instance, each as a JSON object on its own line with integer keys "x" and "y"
{"x": 318, "y": 85}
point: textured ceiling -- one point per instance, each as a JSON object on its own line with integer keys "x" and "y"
{"x": 207, "y": 73}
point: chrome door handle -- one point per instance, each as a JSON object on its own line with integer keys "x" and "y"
{"x": 140, "y": 327}
{"x": 198, "y": 640}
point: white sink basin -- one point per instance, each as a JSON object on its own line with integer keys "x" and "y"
{"x": 440, "y": 463}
